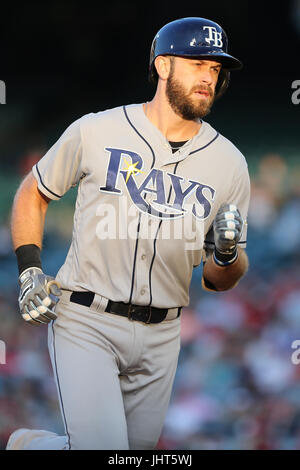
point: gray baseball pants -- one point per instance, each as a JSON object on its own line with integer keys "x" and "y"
{"x": 114, "y": 377}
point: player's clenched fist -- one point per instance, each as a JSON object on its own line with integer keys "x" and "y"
{"x": 227, "y": 228}
{"x": 39, "y": 294}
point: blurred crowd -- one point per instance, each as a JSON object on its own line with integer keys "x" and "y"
{"x": 236, "y": 386}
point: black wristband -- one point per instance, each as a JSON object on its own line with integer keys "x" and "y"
{"x": 28, "y": 256}
{"x": 224, "y": 259}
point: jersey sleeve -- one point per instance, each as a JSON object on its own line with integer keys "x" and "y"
{"x": 240, "y": 196}
{"x": 61, "y": 167}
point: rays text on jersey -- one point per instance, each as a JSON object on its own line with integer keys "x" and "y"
{"x": 155, "y": 183}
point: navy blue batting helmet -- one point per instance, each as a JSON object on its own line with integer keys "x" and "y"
{"x": 194, "y": 38}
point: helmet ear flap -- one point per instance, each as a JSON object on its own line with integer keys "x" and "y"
{"x": 152, "y": 74}
{"x": 223, "y": 82}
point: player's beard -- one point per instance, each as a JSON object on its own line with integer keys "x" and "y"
{"x": 182, "y": 103}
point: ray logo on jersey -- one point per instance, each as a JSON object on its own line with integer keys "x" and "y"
{"x": 154, "y": 182}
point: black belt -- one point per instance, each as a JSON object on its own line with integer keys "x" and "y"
{"x": 143, "y": 313}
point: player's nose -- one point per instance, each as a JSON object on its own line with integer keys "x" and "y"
{"x": 206, "y": 76}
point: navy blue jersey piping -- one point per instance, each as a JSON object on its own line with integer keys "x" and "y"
{"x": 202, "y": 148}
{"x": 134, "y": 259}
{"x": 51, "y": 192}
{"x": 140, "y": 135}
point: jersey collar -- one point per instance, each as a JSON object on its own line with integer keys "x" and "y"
{"x": 159, "y": 143}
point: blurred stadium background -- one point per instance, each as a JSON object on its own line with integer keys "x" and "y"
{"x": 236, "y": 386}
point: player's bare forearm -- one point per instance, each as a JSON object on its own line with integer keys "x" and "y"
{"x": 223, "y": 278}
{"x": 28, "y": 214}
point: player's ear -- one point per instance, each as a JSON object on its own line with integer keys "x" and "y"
{"x": 163, "y": 66}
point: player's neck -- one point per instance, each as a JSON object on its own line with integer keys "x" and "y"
{"x": 172, "y": 126}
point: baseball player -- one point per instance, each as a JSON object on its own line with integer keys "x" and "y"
{"x": 159, "y": 190}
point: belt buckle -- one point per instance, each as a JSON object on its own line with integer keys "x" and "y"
{"x": 131, "y": 310}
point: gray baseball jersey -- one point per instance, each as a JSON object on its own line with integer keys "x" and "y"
{"x": 142, "y": 221}
{"x": 143, "y": 215}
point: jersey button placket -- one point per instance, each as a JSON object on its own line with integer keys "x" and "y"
{"x": 143, "y": 259}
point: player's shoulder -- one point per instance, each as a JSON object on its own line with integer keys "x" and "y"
{"x": 104, "y": 115}
{"x": 225, "y": 147}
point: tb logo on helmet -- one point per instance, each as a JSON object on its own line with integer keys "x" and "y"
{"x": 214, "y": 36}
